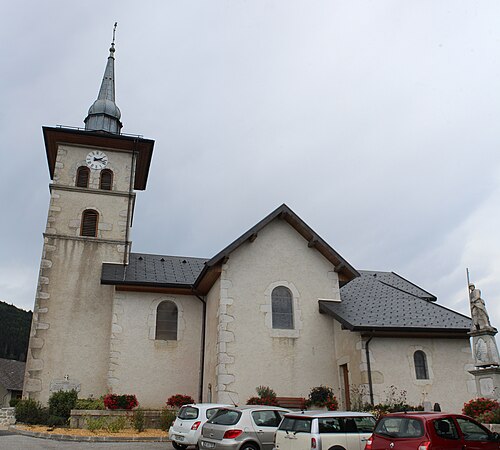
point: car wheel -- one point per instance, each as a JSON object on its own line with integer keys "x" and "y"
{"x": 249, "y": 447}
{"x": 178, "y": 446}
{"x": 336, "y": 447}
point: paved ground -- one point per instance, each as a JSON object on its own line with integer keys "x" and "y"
{"x": 12, "y": 441}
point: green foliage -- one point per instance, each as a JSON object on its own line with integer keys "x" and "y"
{"x": 167, "y": 418}
{"x": 61, "y": 403}
{"x": 117, "y": 425}
{"x": 265, "y": 392}
{"x": 15, "y": 326}
{"x": 29, "y": 411}
{"x": 56, "y": 421}
{"x": 95, "y": 423}
{"x": 266, "y": 396}
{"x": 139, "y": 420}
{"x": 13, "y": 402}
{"x": 320, "y": 396}
{"x": 90, "y": 403}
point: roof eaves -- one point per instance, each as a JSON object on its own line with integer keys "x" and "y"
{"x": 323, "y": 309}
{"x": 296, "y": 222}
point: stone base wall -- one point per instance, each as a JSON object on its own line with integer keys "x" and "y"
{"x": 7, "y": 416}
{"x": 79, "y": 416}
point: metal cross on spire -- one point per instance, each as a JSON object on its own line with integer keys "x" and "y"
{"x": 114, "y": 31}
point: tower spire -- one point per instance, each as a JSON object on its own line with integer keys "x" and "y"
{"x": 104, "y": 115}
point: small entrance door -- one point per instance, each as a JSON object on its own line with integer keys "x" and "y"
{"x": 344, "y": 383}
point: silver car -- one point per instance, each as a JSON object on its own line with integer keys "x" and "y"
{"x": 243, "y": 428}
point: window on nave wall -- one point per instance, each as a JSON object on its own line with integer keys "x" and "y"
{"x": 421, "y": 369}
{"x": 282, "y": 308}
{"x": 90, "y": 220}
{"x": 166, "y": 321}
{"x": 82, "y": 177}
{"x": 106, "y": 180}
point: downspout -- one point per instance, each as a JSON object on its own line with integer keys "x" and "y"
{"x": 202, "y": 355}
{"x": 368, "y": 364}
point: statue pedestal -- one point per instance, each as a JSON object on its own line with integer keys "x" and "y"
{"x": 487, "y": 382}
{"x": 485, "y": 347}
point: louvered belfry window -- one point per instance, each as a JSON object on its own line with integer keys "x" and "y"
{"x": 106, "y": 181}
{"x": 90, "y": 219}
{"x": 282, "y": 308}
{"x": 82, "y": 177}
{"x": 421, "y": 370}
{"x": 166, "y": 321}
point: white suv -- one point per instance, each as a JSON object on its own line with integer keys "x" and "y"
{"x": 186, "y": 429}
{"x": 330, "y": 430}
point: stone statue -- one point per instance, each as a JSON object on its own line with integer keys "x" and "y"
{"x": 480, "y": 319}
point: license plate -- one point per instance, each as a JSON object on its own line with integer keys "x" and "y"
{"x": 207, "y": 444}
{"x": 179, "y": 437}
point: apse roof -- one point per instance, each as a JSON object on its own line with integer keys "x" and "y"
{"x": 386, "y": 301}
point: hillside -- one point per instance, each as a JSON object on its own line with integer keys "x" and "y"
{"x": 14, "y": 332}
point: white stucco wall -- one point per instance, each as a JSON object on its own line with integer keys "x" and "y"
{"x": 250, "y": 352}
{"x": 448, "y": 360}
{"x": 152, "y": 369}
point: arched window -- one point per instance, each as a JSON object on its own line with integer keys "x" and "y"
{"x": 82, "y": 177}
{"x": 166, "y": 321}
{"x": 282, "y": 308}
{"x": 90, "y": 219}
{"x": 420, "y": 360}
{"x": 106, "y": 181}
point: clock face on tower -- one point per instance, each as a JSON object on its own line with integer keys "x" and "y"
{"x": 97, "y": 160}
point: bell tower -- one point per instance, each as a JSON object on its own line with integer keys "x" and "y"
{"x": 95, "y": 174}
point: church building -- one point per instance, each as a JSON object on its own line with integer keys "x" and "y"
{"x": 278, "y": 307}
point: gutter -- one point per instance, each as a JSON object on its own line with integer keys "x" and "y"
{"x": 370, "y": 383}
{"x": 202, "y": 353}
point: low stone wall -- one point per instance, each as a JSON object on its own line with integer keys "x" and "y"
{"x": 79, "y": 416}
{"x": 7, "y": 416}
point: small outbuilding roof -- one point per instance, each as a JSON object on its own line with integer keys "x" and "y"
{"x": 12, "y": 374}
{"x": 384, "y": 301}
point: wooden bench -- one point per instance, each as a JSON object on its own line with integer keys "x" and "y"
{"x": 291, "y": 402}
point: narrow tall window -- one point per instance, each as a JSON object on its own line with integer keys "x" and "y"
{"x": 166, "y": 321}
{"x": 82, "y": 177}
{"x": 421, "y": 370}
{"x": 282, "y": 308}
{"x": 90, "y": 219}
{"x": 106, "y": 181}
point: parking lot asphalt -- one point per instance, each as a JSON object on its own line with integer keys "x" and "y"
{"x": 13, "y": 441}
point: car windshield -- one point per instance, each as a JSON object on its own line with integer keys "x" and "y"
{"x": 296, "y": 424}
{"x": 400, "y": 427}
{"x": 188, "y": 413}
{"x": 225, "y": 417}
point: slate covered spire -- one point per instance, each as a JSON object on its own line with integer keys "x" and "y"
{"x": 104, "y": 115}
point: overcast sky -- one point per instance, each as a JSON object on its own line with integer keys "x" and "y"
{"x": 376, "y": 121}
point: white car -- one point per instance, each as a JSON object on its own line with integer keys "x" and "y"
{"x": 330, "y": 430}
{"x": 186, "y": 429}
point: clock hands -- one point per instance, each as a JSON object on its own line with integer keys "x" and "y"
{"x": 98, "y": 159}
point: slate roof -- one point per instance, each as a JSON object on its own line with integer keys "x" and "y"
{"x": 385, "y": 301}
{"x": 154, "y": 270}
{"x": 12, "y": 374}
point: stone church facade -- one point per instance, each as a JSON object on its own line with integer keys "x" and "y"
{"x": 277, "y": 307}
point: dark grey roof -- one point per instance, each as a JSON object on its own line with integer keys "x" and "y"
{"x": 386, "y": 301}
{"x": 12, "y": 374}
{"x": 157, "y": 270}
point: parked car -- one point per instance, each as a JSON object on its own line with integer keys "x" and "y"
{"x": 425, "y": 431}
{"x": 320, "y": 430}
{"x": 244, "y": 428}
{"x": 186, "y": 429}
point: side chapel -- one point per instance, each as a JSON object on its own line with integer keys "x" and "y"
{"x": 277, "y": 307}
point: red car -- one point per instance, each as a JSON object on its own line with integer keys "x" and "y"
{"x": 431, "y": 431}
